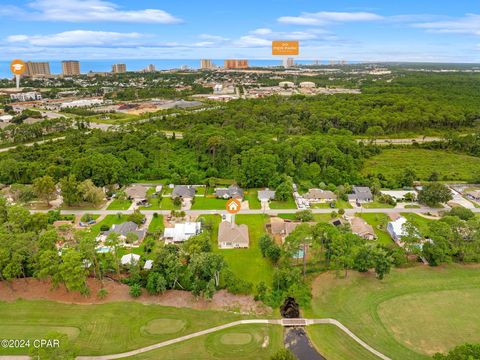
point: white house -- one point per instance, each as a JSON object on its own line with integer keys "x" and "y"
{"x": 182, "y": 232}
{"x": 396, "y": 229}
{"x": 130, "y": 259}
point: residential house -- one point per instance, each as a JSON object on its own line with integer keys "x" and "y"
{"x": 266, "y": 195}
{"x": 124, "y": 229}
{"x": 361, "y": 228}
{"x": 181, "y": 232}
{"x": 319, "y": 196}
{"x": 232, "y": 236}
{"x": 399, "y": 195}
{"x": 130, "y": 259}
{"x": 232, "y": 192}
{"x": 281, "y": 228}
{"x": 396, "y": 229}
{"x": 361, "y": 194}
{"x": 183, "y": 191}
{"x": 136, "y": 192}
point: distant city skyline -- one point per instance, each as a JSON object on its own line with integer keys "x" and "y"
{"x": 352, "y": 30}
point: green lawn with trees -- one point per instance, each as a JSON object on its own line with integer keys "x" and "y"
{"x": 411, "y": 314}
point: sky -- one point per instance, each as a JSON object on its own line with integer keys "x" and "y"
{"x": 351, "y": 30}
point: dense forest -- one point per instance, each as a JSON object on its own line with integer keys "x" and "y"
{"x": 410, "y": 102}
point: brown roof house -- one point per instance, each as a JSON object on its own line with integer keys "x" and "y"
{"x": 136, "y": 192}
{"x": 319, "y": 196}
{"x": 279, "y": 227}
{"x": 232, "y": 236}
{"x": 361, "y": 228}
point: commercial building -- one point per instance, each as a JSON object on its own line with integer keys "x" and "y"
{"x": 119, "y": 68}
{"x": 206, "y": 64}
{"x": 235, "y": 64}
{"x": 70, "y": 67}
{"x": 26, "y": 96}
{"x": 150, "y": 68}
{"x": 37, "y": 68}
{"x": 288, "y": 62}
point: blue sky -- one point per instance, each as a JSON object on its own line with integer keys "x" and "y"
{"x": 353, "y": 30}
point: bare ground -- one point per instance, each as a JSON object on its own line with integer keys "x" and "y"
{"x": 33, "y": 289}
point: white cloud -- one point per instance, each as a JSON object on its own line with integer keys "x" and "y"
{"x": 94, "y": 10}
{"x": 469, "y": 24}
{"x": 325, "y": 17}
{"x": 78, "y": 38}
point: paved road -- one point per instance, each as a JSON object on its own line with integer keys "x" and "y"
{"x": 229, "y": 325}
{"x": 32, "y": 143}
{"x": 253, "y": 212}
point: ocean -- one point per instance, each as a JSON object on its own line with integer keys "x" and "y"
{"x": 135, "y": 65}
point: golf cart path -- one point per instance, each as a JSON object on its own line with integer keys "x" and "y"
{"x": 232, "y": 324}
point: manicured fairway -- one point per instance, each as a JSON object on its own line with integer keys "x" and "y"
{"x": 103, "y": 329}
{"x": 334, "y": 344}
{"x": 240, "y": 342}
{"x": 392, "y": 162}
{"x": 454, "y": 315}
{"x": 410, "y": 314}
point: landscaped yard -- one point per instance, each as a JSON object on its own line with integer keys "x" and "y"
{"x": 119, "y": 205}
{"x": 103, "y": 329}
{"x": 156, "y": 224}
{"x": 240, "y": 342}
{"x": 209, "y": 203}
{"x": 252, "y": 196}
{"x": 392, "y": 162}
{"x": 161, "y": 203}
{"x": 422, "y": 224}
{"x": 339, "y": 204}
{"x": 248, "y": 264}
{"x": 411, "y": 314}
{"x": 377, "y": 205}
{"x": 289, "y": 204}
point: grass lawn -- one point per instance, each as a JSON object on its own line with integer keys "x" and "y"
{"x": 379, "y": 222}
{"x": 161, "y": 203}
{"x": 339, "y": 204}
{"x": 252, "y": 196}
{"x": 240, "y": 342}
{"x": 377, "y": 205}
{"x": 422, "y": 224}
{"x": 108, "y": 220}
{"x": 102, "y": 329}
{"x": 248, "y": 264}
{"x": 334, "y": 344}
{"x": 289, "y": 204}
{"x": 209, "y": 203}
{"x": 392, "y": 162}
{"x": 119, "y": 205}
{"x": 156, "y": 224}
{"x": 411, "y": 314}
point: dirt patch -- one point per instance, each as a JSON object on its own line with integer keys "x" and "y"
{"x": 33, "y": 289}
